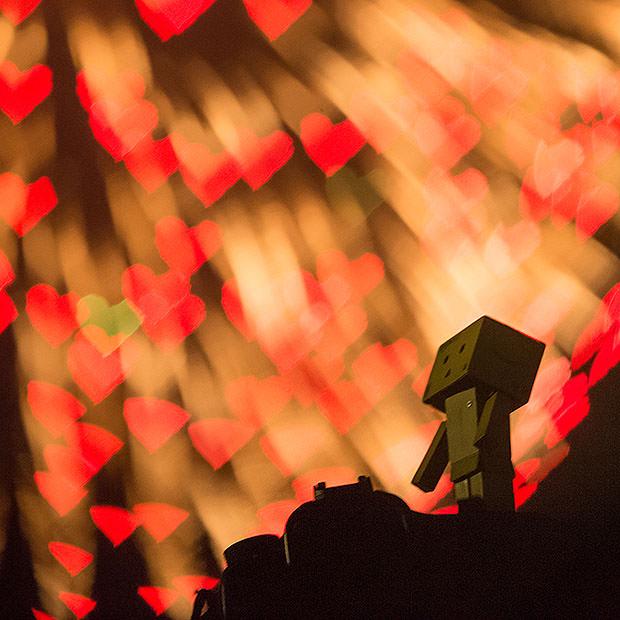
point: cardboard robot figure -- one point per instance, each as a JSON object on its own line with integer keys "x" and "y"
{"x": 478, "y": 378}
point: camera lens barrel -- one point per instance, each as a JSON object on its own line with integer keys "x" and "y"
{"x": 255, "y": 581}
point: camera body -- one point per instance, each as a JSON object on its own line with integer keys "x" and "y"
{"x": 344, "y": 550}
{"x": 355, "y": 552}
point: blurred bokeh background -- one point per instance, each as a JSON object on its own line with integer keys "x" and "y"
{"x": 233, "y": 234}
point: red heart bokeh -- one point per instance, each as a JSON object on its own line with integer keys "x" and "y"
{"x": 95, "y": 444}
{"x": 169, "y": 311}
{"x": 596, "y": 207}
{"x": 207, "y": 175}
{"x": 378, "y": 369}
{"x": 344, "y": 405}
{"x": 254, "y": 401}
{"x": 7, "y": 275}
{"x": 22, "y": 91}
{"x": 599, "y": 142}
{"x": 116, "y": 524}
{"x": 179, "y": 323}
{"x": 154, "y": 296}
{"x": 603, "y": 143}
{"x": 289, "y": 345}
{"x": 153, "y": 421}
{"x": 561, "y": 205}
{"x": 555, "y": 164}
{"x": 330, "y": 146}
{"x": 119, "y": 126}
{"x": 275, "y": 17}
{"x": 8, "y": 311}
{"x": 51, "y": 314}
{"x": 471, "y": 186}
{"x": 607, "y": 357}
{"x": 88, "y": 449}
{"x": 273, "y": 516}
{"x": 597, "y": 332}
{"x": 68, "y": 463}
{"x": 61, "y": 494}
{"x": 425, "y": 83}
{"x": 347, "y": 280}
{"x": 577, "y": 195}
{"x": 312, "y": 375}
{"x": 574, "y": 407}
{"x": 21, "y": 205}
{"x": 261, "y": 157}
{"x": 495, "y": 82}
{"x": 73, "y": 559}
{"x": 98, "y": 375}
{"x": 601, "y": 97}
{"x": 445, "y": 132}
{"x": 16, "y": 11}
{"x": 80, "y": 605}
{"x": 158, "y": 599}
{"x": 167, "y": 18}
{"x": 53, "y": 406}
{"x": 151, "y": 162}
{"x": 185, "y": 249}
{"x": 522, "y": 489}
{"x": 159, "y": 520}
{"x": 218, "y": 439}
{"x": 188, "y": 585}
{"x": 340, "y": 332}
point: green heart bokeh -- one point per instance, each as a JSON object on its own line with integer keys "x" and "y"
{"x": 118, "y": 319}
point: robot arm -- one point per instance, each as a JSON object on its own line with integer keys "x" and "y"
{"x": 434, "y": 462}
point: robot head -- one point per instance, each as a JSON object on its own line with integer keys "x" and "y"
{"x": 487, "y": 355}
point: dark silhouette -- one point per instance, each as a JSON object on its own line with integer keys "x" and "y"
{"x": 479, "y": 376}
{"x": 355, "y": 552}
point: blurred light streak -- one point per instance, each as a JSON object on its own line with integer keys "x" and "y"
{"x": 105, "y": 54}
{"x": 27, "y": 49}
{"x": 234, "y": 516}
{"x": 7, "y": 34}
{"x": 75, "y": 260}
